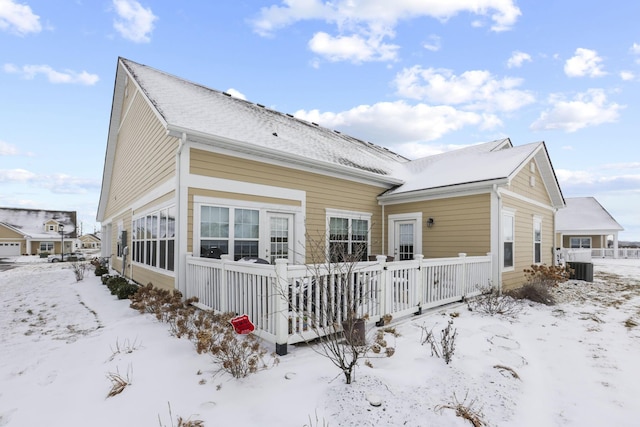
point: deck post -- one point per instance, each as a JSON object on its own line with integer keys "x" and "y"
{"x": 463, "y": 269}
{"x": 383, "y": 301}
{"x": 419, "y": 282}
{"x": 224, "y": 290}
{"x": 280, "y": 309}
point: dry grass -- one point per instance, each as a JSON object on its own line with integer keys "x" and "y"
{"x": 465, "y": 410}
{"x": 118, "y": 382}
{"x": 503, "y": 368}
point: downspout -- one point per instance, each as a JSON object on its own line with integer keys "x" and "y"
{"x": 382, "y": 249}
{"x": 497, "y": 257}
{"x": 177, "y": 256}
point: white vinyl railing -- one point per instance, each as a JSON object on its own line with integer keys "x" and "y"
{"x": 292, "y": 303}
{"x": 611, "y": 253}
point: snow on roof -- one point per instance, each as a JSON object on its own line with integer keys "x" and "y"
{"x": 186, "y": 105}
{"x": 31, "y": 221}
{"x": 478, "y": 163}
{"x": 585, "y": 214}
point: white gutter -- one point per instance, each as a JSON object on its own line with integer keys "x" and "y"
{"x": 181, "y": 222}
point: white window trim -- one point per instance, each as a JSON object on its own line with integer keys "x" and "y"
{"x": 512, "y": 213}
{"x": 537, "y": 220}
{"x": 338, "y": 213}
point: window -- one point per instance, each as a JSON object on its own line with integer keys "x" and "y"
{"x": 348, "y": 238}
{"x": 153, "y": 239}
{"x": 508, "y": 237}
{"x": 537, "y": 240}
{"x": 580, "y": 243}
{"x": 46, "y": 246}
{"x": 51, "y": 228}
{"x": 218, "y": 237}
{"x": 121, "y": 242}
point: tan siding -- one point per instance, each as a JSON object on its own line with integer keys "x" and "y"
{"x": 7, "y": 233}
{"x": 523, "y": 246}
{"x": 461, "y": 224}
{"x": 144, "y": 275}
{"x": 321, "y": 191}
{"x": 521, "y": 185}
{"x": 144, "y": 157}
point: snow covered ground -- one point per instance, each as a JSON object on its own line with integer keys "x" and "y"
{"x": 577, "y": 364}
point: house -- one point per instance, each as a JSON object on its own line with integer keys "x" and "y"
{"x": 191, "y": 170}
{"x": 585, "y": 224}
{"x": 90, "y": 241}
{"x": 32, "y": 231}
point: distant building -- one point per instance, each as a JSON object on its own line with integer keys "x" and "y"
{"x": 33, "y": 231}
{"x": 90, "y": 241}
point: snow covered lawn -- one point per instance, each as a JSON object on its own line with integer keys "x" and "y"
{"x": 576, "y": 364}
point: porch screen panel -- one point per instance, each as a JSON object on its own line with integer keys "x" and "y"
{"x": 508, "y": 236}
{"x": 338, "y": 238}
{"x": 537, "y": 241}
{"x": 359, "y": 238}
{"x": 246, "y": 233}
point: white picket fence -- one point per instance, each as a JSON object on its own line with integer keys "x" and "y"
{"x": 283, "y": 300}
{"x": 611, "y": 253}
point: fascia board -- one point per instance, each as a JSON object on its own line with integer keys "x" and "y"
{"x": 442, "y": 192}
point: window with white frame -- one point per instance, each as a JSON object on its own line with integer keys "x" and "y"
{"x": 153, "y": 239}
{"x": 537, "y": 240}
{"x": 508, "y": 238}
{"x": 348, "y": 236}
{"x": 46, "y": 246}
{"x": 229, "y": 230}
{"x": 122, "y": 241}
{"x": 580, "y": 242}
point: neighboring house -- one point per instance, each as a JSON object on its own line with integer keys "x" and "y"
{"x": 193, "y": 170}
{"x": 31, "y": 231}
{"x": 585, "y": 224}
{"x": 90, "y": 241}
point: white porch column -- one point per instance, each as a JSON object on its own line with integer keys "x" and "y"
{"x": 615, "y": 244}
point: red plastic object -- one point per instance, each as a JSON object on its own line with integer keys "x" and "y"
{"x": 242, "y": 324}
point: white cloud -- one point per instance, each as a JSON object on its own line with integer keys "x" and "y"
{"x": 475, "y": 89}
{"x": 236, "y": 94}
{"x": 585, "y": 62}
{"x": 352, "y": 48}
{"x": 16, "y": 175}
{"x": 433, "y": 43}
{"x": 365, "y": 24}
{"x": 135, "y": 22}
{"x": 517, "y": 59}
{"x": 67, "y": 76}
{"x": 635, "y": 49}
{"x": 397, "y": 123}
{"x": 7, "y": 149}
{"x": 585, "y": 109}
{"x": 592, "y": 182}
{"x": 18, "y": 18}
{"x": 627, "y": 75}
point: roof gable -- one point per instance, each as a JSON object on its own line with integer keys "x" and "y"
{"x": 585, "y": 215}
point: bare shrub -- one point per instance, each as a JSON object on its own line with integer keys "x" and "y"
{"x": 332, "y": 301}
{"x": 118, "y": 382}
{"x": 511, "y": 371}
{"x": 465, "y": 410}
{"x": 491, "y": 302}
{"x": 163, "y": 304}
{"x": 78, "y": 269}
{"x": 546, "y": 275}
{"x": 181, "y": 421}
{"x": 536, "y": 292}
{"x": 316, "y": 422}
{"x": 127, "y": 347}
{"x": 446, "y": 346}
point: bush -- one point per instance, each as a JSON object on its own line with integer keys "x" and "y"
{"x": 491, "y": 302}
{"x": 105, "y": 278}
{"x": 126, "y": 290}
{"x": 101, "y": 270}
{"x": 446, "y": 346}
{"x": 114, "y": 282}
{"x": 536, "y": 292}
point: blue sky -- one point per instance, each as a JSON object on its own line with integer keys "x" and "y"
{"x": 417, "y": 76}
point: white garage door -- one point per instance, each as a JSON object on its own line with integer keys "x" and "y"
{"x": 9, "y": 248}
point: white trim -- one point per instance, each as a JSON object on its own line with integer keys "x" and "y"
{"x": 264, "y": 210}
{"x": 241, "y": 187}
{"x": 447, "y": 192}
{"x": 517, "y": 196}
{"x": 350, "y": 215}
{"x": 330, "y": 212}
{"x": 154, "y": 194}
{"x": 392, "y": 219}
